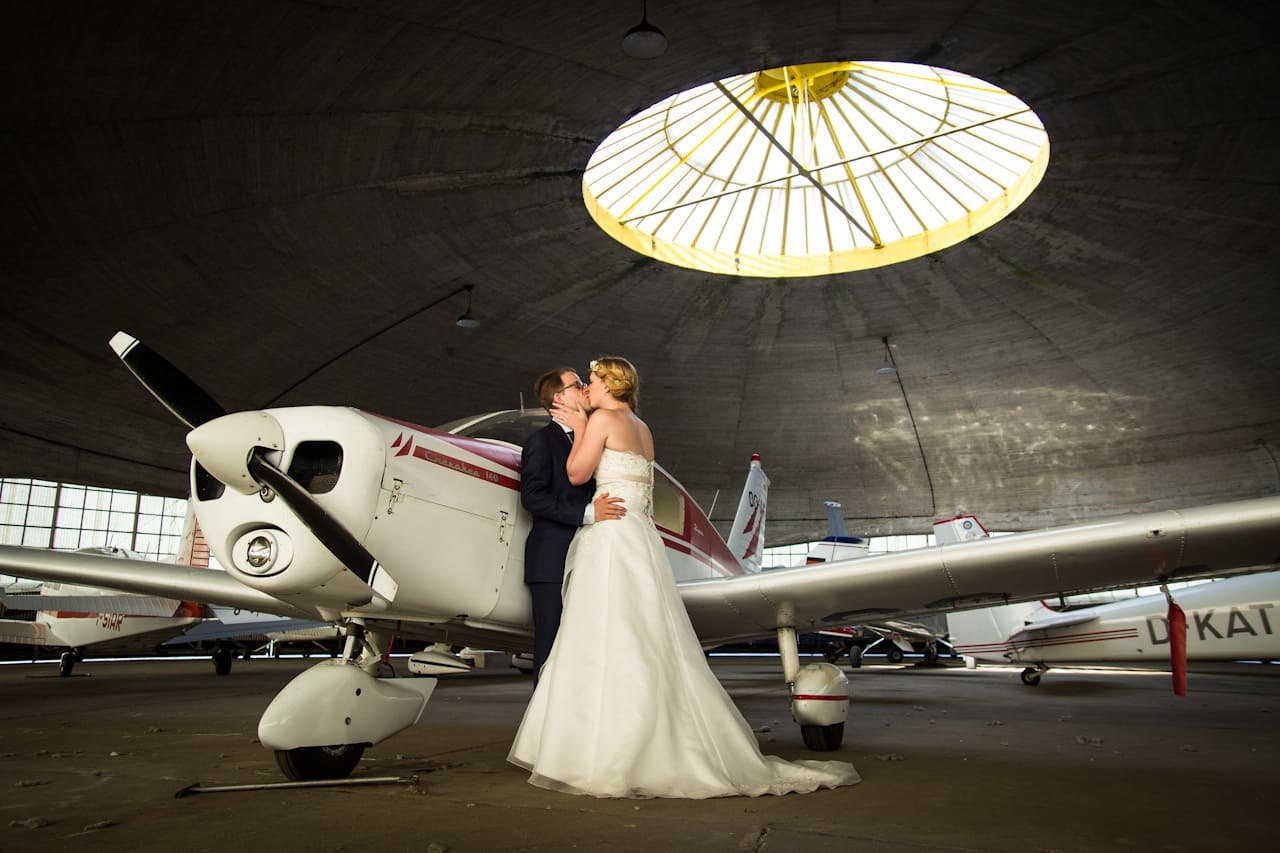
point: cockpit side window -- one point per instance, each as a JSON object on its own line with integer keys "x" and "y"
{"x": 668, "y": 505}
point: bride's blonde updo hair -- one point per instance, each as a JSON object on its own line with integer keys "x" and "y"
{"x": 620, "y": 377}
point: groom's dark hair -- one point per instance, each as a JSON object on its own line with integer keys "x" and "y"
{"x": 550, "y": 384}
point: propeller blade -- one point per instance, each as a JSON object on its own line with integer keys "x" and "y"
{"x": 1177, "y": 644}
{"x": 326, "y": 528}
{"x": 173, "y": 388}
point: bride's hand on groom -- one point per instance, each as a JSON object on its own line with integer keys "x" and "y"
{"x": 609, "y": 508}
{"x": 573, "y": 417}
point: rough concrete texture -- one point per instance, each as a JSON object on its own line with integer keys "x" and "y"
{"x": 951, "y": 759}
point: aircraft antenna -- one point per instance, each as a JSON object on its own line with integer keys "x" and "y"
{"x": 714, "y": 498}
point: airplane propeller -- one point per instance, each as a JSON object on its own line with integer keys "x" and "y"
{"x": 192, "y": 405}
{"x": 173, "y": 388}
{"x": 326, "y": 528}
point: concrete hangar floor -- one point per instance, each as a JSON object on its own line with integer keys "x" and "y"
{"x": 952, "y": 759}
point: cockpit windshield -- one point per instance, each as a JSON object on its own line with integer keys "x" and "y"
{"x": 513, "y": 426}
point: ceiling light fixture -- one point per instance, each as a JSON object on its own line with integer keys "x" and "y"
{"x": 644, "y": 41}
{"x": 888, "y": 365}
{"x": 466, "y": 321}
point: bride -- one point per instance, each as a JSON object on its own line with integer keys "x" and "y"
{"x": 626, "y": 705}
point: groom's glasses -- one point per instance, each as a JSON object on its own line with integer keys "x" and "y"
{"x": 580, "y": 385}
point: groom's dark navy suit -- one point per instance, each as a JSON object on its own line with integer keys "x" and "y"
{"x": 557, "y": 507}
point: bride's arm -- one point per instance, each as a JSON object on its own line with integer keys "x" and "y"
{"x": 588, "y": 447}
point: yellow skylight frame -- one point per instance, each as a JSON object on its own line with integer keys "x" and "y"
{"x": 816, "y": 169}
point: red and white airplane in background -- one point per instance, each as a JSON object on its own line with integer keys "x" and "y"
{"x": 388, "y": 528}
{"x": 73, "y": 617}
{"x": 1234, "y": 618}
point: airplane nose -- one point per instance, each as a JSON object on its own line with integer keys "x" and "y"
{"x": 223, "y": 446}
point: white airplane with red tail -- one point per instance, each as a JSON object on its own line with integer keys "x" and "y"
{"x": 388, "y": 528}
{"x": 74, "y": 617}
{"x": 1231, "y": 619}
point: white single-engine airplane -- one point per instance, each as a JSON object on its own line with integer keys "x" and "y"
{"x": 389, "y": 528}
{"x": 1232, "y": 619}
{"x": 73, "y": 617}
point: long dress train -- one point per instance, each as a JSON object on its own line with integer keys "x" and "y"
{"x": 626, "y": 705}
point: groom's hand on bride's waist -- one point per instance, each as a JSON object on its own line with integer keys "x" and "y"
{"x": 609, "y": 507}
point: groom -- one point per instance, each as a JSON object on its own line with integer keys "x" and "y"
{"x": 558, "y": 508}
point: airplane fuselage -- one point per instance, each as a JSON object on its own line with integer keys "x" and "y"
{"x": 1233, "y": 619}
{"x": 440, "y": 512}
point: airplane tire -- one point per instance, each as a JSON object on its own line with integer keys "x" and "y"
{"x": 308, "y": 763}
{"x": 823, "y": 738}
{"x": 894, "y": 654}
{"x": 66, "y": 663}
{"x": 855, "y": 656}
{"x": 222, "y": 657}
{"x": 1031, "y": 676}
{"x": 833, "y": 651}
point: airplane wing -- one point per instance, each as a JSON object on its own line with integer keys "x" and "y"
{"x": 142, "y": 576}
{"x": 1142, "y": 548}
{"x": 125, "y": 605}
{"x": 214, "y": 629}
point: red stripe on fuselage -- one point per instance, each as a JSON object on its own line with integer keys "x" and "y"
{"x": 498, "y": 454}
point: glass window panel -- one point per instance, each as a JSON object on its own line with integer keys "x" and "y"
{"x": 13, "y": 514}
{"x": 92, "y": 538}
{"x": 148, "y": 524}
{"x": 70, "y": 517}
{"x": 95, "y": 519}
{"x": 66, "y": 539}
{"x": 72, "y": 496}
{"x": 43, "y": 495}
{"x": 15, "y": 491}
{"x": 121, "y": 522}
{"x": 150, "y": 504}
{"x": 10, "y": 534}
{"x": 40, "y": 516}
{"x": 37, "y": 537}
{"x": 124, "y": 502}
{"x": 146, "y": 545}
{"x": 97, "y": 499}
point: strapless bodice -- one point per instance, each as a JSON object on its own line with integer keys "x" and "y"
{"x": 627, "y": 475}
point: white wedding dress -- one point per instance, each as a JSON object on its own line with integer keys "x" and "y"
{"x": 626, "y": 705}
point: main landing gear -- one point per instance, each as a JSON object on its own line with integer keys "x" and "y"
{"x": 321, "y": 722}
{"x": 819, "y": 695}
{"x": 1031, "y": 675}
{"x": 68, "y": 660}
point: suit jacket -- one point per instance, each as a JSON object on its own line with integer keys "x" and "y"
{"x": 555, "y": 504}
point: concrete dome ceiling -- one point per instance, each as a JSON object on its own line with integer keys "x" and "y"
{"x": 286, "y": 198}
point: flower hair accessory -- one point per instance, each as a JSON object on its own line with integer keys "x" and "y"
{"x": 597, "y": 367}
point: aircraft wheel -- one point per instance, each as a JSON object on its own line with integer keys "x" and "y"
{"x": 855, "y": 656}
{"x": 307, "y": 763}
{"x": 1031, "y": 676}
{"x": 894, "y": 654}
{"x": 66, "y": 663}
{"x": 823, "y": 738}
{"x": 931, "y": 653}
{"x": 222, "y": 660}
{"x": 833, "y": 651}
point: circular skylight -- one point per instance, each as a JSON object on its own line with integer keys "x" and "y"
{"x": 816, "y": 169}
